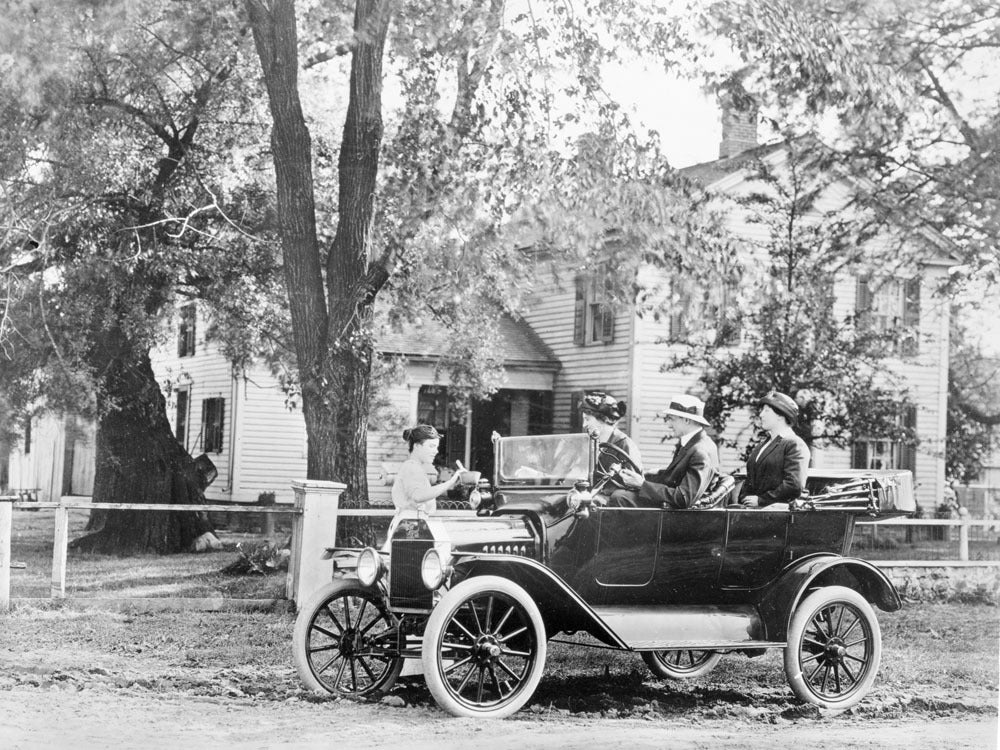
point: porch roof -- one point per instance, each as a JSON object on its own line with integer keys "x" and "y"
{"x": 520, "y": 345}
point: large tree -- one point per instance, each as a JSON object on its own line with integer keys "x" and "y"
{"x": 485, "y": 140}
{"x": 121, "y": 123}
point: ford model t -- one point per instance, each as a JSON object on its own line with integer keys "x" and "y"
{"x": 477, "y": 598}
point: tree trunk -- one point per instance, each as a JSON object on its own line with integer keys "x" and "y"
{"x": 332, "y": 326}
{"x": 140, "y": 461}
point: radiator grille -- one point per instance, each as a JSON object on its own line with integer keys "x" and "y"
{"x": 406, "y": 590}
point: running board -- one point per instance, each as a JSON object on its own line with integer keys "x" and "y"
{"x": 686, "y": 627}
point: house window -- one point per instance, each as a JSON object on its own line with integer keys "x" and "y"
{"x": 712, "y": 310}
{"x": 432, "y": 406}
{"x": 183, "y": 403}
{"x": 891, "y": 308}
{"x": 880, "y": 453}
{"x": 212, "y": 419}
{"x": 593, "y": 314}
{"x": 185, "y": 339}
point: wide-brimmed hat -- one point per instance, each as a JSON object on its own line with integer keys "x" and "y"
{"x": 604, "y": 405}
{"x": 688, "y": 407}
{"x": 782, "y": 404}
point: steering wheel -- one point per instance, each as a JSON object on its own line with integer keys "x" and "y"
{"x": 617, "y": 455}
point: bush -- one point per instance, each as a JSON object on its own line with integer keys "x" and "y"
{"x": 263, "y": 558}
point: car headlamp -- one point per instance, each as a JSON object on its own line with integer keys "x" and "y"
{"x": 434, "y": 568}
{"x": 579, "y": 495}
{"x": 369, "y": 566}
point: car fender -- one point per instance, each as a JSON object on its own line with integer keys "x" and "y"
{"x": 561, "y": 607}
{"x": 779, "y": 601}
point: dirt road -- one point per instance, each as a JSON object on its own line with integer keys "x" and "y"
{"x": 66, "y": 718}
{"x": 224, "y": 681}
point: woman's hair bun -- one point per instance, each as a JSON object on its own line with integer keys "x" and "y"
{"x": 406, "y": 433}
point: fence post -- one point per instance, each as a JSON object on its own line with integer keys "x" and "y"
{"x": 60, "y": 538}
{"x": 6, "y": 514}
{"x": 313, "y": 530}
{"x": 963, "y": 539}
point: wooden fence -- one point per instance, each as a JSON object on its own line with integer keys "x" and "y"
{"x": 315, "y": 515}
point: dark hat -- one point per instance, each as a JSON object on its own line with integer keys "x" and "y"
{"x": 783, "y": 405}
{"x": 603, "y": 405}
{"x": 688, "y": 407}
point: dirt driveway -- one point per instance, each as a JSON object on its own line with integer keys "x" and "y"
{"x": 225, "y": 682}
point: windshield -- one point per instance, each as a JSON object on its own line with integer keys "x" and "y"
{"x": 544, "y": 459}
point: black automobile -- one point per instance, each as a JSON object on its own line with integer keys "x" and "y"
{"x": 477, "y": 598}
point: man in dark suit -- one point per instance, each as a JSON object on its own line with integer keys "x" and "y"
{"x": 695, "y": 463}
{"x": 776, "y": 469}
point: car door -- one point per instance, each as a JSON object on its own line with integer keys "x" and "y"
{"x": 755, "y": 550}
{"x": 627, "y": 542}
{"x": 689, "y": 556}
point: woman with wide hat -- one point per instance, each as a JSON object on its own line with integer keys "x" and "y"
{"x": 600, "y": 413}
{"x": 776, "y": 469}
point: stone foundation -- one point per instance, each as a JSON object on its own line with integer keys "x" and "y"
{"x": 946, "y": 583}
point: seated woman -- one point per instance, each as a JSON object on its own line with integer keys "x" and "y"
{"x": 776, "y": 469}
{"x": 601, "y": 413}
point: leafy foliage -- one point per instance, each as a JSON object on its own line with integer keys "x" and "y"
{"x": 794, "y": 340}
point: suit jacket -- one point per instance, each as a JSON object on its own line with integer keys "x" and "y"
{"x": 776, "y": 471}
{"x": 686, "y": 478}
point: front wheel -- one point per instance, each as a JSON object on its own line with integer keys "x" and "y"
{"x": 834, "y": 648}
{"x": 484, "y": 648}
{"x": 345, "y": 641}
{"x": 681, "y": 664}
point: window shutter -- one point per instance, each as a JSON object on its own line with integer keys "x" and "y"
{"x": 580, "y": 312}
{"x": 213, "y": 418}
{"x": 859, "y": 455}
{"x": 678, "y": 313}
{"x": 910, "y": 343}
{"x": 575, "y": 417}
{"x": 863, "y": 297}
{"x": 908, "y": 459}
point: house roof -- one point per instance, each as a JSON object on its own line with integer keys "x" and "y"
{"x": 515, "y": 339}
{"x": 708, "y": 173}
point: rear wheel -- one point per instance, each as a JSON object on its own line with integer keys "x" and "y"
{"x": 834, "y": 648}
{"x": 484, "y": 648}
{"x": 681, "y": 664}
{"x": 345, "y": 641}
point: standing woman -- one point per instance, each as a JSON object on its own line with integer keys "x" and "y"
{"x": 411, "y": 489}
{"x": 776, "y": 470}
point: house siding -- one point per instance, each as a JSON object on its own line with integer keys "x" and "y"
{"x": 205, "y": 374}
{"x": 596, "y": 366}
{"x": 924, "y": 375}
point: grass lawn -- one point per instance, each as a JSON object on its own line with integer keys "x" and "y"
{"x": 142, "y": 576}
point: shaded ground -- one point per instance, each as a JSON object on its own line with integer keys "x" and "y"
{"x": 226, "y": 680}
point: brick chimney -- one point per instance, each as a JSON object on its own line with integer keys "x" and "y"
{"x": 739, "y": 124}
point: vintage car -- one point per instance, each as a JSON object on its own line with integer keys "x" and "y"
{"x": 478, "y": 597}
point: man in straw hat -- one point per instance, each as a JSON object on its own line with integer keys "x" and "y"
{"x": 695, "y": 463}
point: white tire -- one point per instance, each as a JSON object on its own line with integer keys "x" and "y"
{"x": 484, "y": 648}
{"x": 834, "y": 648}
